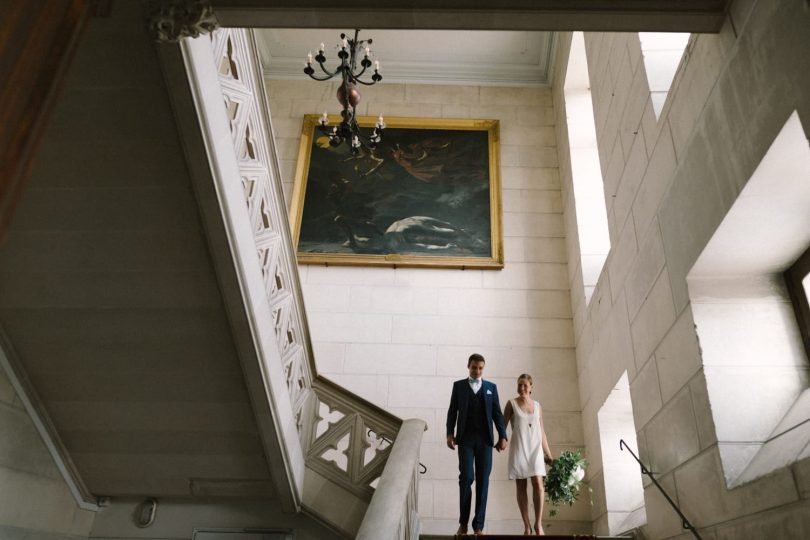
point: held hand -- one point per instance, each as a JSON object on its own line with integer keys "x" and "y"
{"x": 451, "y": 442}
{"x": 501, "y": 445}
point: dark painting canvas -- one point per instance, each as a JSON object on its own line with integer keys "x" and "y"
{"x": 424, "y": 196}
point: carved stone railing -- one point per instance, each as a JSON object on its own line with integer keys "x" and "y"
{"x": 345, "y": 439}
{"x": 349, "y": 444}
{"x": 393, "y": 512}
{"x": 245, "y": 105}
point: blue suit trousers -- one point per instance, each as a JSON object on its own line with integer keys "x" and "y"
{"x": 474, "y": 464}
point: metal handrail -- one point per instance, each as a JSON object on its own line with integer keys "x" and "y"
{"x": 422, "y": 466}
{"x": 685, "y": 522}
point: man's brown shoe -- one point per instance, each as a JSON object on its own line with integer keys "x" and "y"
{"x": 478, "y": 532}
{"x": 461, "y": 530}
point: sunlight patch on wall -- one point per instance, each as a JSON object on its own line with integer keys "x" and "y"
{"x": 589, "y": 193}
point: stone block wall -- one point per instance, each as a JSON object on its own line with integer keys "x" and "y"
{"x": 668, "y": 184}
{"x": 400, "y": 337}
{"x": 178, "y": 519}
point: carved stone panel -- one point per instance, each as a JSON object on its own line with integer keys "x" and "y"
{"x": 242, "y": 94}
{"x": 172, "y": 20}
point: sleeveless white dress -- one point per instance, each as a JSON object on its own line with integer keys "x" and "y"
{"x": 525, "y": 446}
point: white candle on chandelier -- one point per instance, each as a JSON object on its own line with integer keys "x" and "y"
{"x": 356, "y": 141}
{"x": 324, "y": 118}
{"x": 380, "y": 122}
{"x": 322, "y": 47}
{"x": 376, "y": 65}
{"x": 345, "y": 43}
{"x": 368, "y": 52}
{"x": 309, "y": 58}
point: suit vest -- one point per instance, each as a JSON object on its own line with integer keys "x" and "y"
{"x": 476, "y": 422}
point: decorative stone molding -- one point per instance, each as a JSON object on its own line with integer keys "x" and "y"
{"x": 171, "y": 20}
{"x": 349, "y": 444}
{"x": 345, "y": 439}
{"x": 243, "y": 95}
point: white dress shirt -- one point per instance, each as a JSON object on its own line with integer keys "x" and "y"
{"x": 475, "y": 384}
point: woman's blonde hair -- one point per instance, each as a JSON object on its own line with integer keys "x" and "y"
{"x": 527, "y": 377}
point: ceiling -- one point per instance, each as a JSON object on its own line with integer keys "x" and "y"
{"x": 422, "y": 56}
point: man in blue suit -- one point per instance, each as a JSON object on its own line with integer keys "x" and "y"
{"x": 474, "y": 406}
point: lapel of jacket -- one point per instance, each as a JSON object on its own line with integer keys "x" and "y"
{"x": 463, "y": 395}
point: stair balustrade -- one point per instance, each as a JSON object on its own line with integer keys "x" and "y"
{"x": 393, "y": 512}
{"x": 644, "y": 470}
{"x": 343, "y": 441}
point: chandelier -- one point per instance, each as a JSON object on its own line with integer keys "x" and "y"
{"x": 348, "y": 93}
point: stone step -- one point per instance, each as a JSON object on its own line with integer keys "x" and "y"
{"x": 520, "y": 537}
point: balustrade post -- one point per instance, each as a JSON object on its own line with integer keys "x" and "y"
{"x": 395, "y": 498}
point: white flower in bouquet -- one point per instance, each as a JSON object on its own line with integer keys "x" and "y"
{"x": 564, "y": 479}
{"x": 571, "y": 481}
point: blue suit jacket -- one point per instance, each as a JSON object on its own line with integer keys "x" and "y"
{"x": 457, "y": 413}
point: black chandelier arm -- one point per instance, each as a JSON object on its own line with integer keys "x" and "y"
{"x": 320, "y": 58}
{"x": 328, "y": 130}
{"x": 373, "y": 82}
{"x": 375, "y": 131}
{"x": 347, "y": 130}
{"x": 365, "y": 63}
{"x": 309, "y": 71}
{"x": 356, "y": 76}
{"x": 330, "y": 73}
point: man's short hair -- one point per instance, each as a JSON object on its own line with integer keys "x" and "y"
{"x": 475, "y": 357}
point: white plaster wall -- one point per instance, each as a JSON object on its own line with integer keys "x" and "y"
{"x": 35, "y": 502}
{"x": 400, "y": 337}
{"x": 668, "y": 184}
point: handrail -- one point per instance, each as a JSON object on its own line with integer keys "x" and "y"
{"x": 685, "y": 522}
{"x": 392, "y": 513}
{"x": 422, "y": 466}
{"x": 310, "y": 416}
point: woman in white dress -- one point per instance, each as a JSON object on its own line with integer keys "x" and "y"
{"x": 528, "y": 449}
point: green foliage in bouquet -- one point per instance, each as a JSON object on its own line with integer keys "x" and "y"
{"x": 564, "y": 479}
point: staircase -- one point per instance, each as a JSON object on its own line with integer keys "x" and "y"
{"x": 520, "y": 536}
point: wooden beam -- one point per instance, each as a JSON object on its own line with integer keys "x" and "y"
{"x": 546, "y": 15}
{"x": 37, "y": 43}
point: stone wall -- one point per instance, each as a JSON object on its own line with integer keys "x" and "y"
{"x": 668, "y": 184}
{"x": 400, "y": 337}
{"x": 35, "y": 502}
{"x": 178, "y": 519}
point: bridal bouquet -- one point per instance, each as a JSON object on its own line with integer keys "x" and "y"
{"x": 564, "y": 479}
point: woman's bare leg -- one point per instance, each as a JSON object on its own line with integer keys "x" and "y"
{"x": 538, "y": 496}
{"x": 523, "y": 504}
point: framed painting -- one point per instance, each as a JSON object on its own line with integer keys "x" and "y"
{"x": 428, "y": 195}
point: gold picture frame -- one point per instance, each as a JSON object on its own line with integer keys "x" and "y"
{"x": 428, "y": 196}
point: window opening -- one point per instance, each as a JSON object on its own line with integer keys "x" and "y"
{"x": 797, "y": 281}
{"x": 589, "y": 192}
{"x": 624, "y": 491}
{"x": 754, "y": 361}
{"x": 662, "y": 52}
